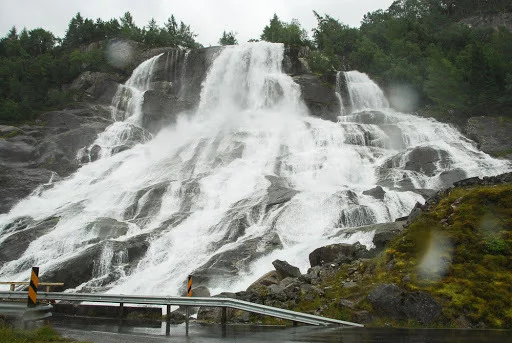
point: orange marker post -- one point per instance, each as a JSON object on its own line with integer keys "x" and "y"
{"x": 32, "y": 288}
{"x": 189, "y": 286}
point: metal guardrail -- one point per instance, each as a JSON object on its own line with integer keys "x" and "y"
{"x": 39, "y": 312}
{"x": 185, "y": 301}
{"x": 14, "y": 309}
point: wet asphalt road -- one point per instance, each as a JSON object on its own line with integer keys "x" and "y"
{"x": 201, "y": 333}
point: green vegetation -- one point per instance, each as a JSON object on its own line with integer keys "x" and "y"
{"x": 475, "y": 227}
{"x": 35, "y": 65}
{"x": 228, "y": 38}
{"x": 456, "y": 71}
{"x": 502, "y": 153}
{"x": 43, "y": 334}
{"x": 470, "y": 233}
{"x": 291, "y": 34}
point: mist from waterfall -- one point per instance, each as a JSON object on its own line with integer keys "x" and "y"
{"x": 202, "y": 189}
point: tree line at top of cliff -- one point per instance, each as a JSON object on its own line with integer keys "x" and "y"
{"x": 36, "y": 66}
{"x": 420, "y": 45}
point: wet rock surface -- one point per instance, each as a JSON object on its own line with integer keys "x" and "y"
{"x": 423, "y": 160}
{"x": 17, "y": 182}
{"x": 320, "y": 98}
{"x": 24, "y": 231}
{"x": 377, "y": 192}
{"x": 228, "y": 264}
{"x": 105, "y": 228}
{"x": 493, "y": 135}
{"x": 30, "y": 153}
{"x": 336, "y": 253}
{"x": 279, "y": 191}
{"x": 161, "y": 109}
{"x": 285, "y": 270}
{"x": 85, "y": 268}
{"x": 96, "y": 86}
{"x": 392, "y": 301}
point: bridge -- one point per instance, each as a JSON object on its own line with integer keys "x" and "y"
{"x": 223, "y": 303}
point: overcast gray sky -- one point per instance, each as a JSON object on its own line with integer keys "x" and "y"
{"x": 207, "y": 18}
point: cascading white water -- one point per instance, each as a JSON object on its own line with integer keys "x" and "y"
{"x": 205, "y": 188}
{"x": 364, "y": 93}
{"x": 127, "y": 111}
{"x": 339, "y": 76}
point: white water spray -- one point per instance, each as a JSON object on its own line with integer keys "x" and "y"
{"x": 364, "y": 93}
{"x": 202, "y": 194}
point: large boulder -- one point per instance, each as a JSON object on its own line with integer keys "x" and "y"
{"x": 392, "y": 301}
{"x": 493, "y": 135}
{"x": 320, "y": 99}
{"x": 214, "y": 314}
{"x": 284, "y": 270}
{"x": 270, "y": 278}
{"x": 338, "y": 253}
{"x": 7, "y": 131}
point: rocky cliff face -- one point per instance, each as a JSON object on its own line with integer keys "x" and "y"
{"x": 33, "y": 156}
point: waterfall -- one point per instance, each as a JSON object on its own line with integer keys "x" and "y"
{"x": 126, "y": 112}
{"x": 364, "y": 93}
{"x": 127, "y": 103}
{"x": 249, "y": 178}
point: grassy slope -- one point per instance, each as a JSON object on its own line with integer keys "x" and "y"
{"x": 44, "y": 334}
{"x": 469, "y": 234}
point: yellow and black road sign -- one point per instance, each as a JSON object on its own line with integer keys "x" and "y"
{"x": 189, "y": 286}
{"x": 32, "y": 288}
